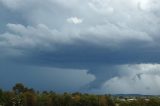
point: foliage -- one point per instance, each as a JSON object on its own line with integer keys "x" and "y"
{"x": 24, "y": 96}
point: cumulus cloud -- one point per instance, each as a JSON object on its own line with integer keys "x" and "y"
{"x": 134, "y": 79}
{"x": 74, "y": 20}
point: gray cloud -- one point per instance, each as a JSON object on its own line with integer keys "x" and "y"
{"x": 134, "y": 78}
{"x": 95, "y": 35}
{"x": 44, "y": 78}
{"x": 135, "y": 21}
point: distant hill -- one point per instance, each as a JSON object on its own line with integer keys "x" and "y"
{"x": 135, "y": 95}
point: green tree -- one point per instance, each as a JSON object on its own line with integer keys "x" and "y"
{"x": 1, "y": 97}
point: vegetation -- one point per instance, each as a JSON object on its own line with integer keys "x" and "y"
{"x": 23, "y": 96}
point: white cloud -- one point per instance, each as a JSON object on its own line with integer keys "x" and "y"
{"x": 74, "y": 20}
{"x": 134, "y": 79}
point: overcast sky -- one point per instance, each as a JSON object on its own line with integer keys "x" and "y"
{"x": 93, "y": 46}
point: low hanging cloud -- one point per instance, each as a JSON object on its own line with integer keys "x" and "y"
{"x": 134, "y": 79}
{"x": 44, "y": 78}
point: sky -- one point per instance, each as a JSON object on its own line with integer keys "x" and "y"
{"x": 92, "y": 46}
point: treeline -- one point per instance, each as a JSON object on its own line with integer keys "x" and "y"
{"x": 24, "y": 96}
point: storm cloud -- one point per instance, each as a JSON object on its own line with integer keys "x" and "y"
{"x": 99, "y": 42}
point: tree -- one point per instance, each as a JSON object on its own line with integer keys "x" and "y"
{"x": 8, "y": 98}
{"x": 29, "y": 99}
{"x": 110, "y": 102}
{"x": 67, "y": 99}
{"x": 18, "y": 88}
{"x": 103, "y": 101}
{"x": 1, "y": 97}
